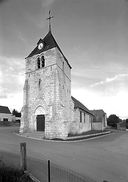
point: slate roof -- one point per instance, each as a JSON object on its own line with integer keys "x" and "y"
{"x": 49, "y": 43}
{"x": 98, "y": 112}
{"x": 78, "y": 104}
{"x": 5, "y": 110}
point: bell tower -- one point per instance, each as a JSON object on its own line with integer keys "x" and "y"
{"x": 47, "y": 90}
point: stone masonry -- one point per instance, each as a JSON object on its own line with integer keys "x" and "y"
{"x": 47, "y": 91}
{"x": 48, "y": 106}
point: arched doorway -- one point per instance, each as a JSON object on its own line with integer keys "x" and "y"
{"x": 40, "y": 119}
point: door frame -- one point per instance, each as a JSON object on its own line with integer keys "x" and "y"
{"x": 39, "y": 121}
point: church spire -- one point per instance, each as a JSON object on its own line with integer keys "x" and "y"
{"x": 49, "y": 20}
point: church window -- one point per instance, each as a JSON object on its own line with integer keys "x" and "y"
{"x": 80, "y": 116}
{"x": 84, "y": 118}
{"x": 39, "y": 83}
{"x": 42, "y": 61}
{"x": 38, "y": 63}
{"x": 63, "y": 66}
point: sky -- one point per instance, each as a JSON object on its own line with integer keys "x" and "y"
{"x": 93, "y": 35}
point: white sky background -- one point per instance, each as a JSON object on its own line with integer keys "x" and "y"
{"x": 93, "y": 35}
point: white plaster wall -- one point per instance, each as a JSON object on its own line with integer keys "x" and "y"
{"x": 98, "y": 126}
{"x": 4, "y": 115}
{"x": 105, "y": 120}
{"x": 101, "y": 125}
{"x": 80, "y": 127}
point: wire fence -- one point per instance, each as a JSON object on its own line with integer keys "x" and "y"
{"x": 44, "y": 170}
{"x": 61, "y": 174}
{"x": 51, "y": 172}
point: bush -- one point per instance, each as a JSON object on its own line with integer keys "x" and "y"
{"x": 113, "y": 120}
{"x": 127, "y": 123}
{"x": 10, "y": 174}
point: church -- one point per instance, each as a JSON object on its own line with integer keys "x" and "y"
{"x": 48, "y": 106}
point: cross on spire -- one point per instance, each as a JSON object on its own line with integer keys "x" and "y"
{"x": 49, "y": 19}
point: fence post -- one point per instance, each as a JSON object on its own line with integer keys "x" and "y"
{"x": 48, "y": 170}
{"x": 23, "y": 162}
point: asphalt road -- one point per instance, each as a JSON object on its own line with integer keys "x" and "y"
{"x": 104, "y": 158}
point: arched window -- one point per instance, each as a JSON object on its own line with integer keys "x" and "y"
{"x": 38, "y": 63}
{"x": 80, "y": 116}
{"x": 39, "y": 83}
{"x": 42, "y": 61}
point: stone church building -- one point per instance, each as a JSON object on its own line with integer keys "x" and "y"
{"x": 48, "y": 106}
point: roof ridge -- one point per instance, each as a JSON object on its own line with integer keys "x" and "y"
{"x": 80, "y": 105}
{"x": 61, "y": 51}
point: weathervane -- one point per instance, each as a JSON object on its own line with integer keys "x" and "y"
{"x": 49, "y": 19}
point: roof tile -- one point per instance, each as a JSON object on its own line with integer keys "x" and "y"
{"x": 4, "y": 109}
{"x": 78, "y": 104}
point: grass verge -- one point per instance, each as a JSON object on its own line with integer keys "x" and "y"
{"x": 11, "y": 174}
{"x": 86, "y": 133}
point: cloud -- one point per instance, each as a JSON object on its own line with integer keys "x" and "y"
{"x": 11, "y": 82}
{"x": 3, "y": 96}
{"x": 13, "y": 101}
{"x": 47, "y": 3}
{"x": 22, "y": 38}
{"x": 11, "y": 76}
{"x": 116, "y": 104}
{"x": 112, "y": 79}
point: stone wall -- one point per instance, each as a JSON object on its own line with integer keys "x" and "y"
{"x": 50, "y": 89}
{"x": 8, "y": 116}
{"x": 98, "y": 126}
{"x": 80, "y": 127}
{"x": 101, "y": 124}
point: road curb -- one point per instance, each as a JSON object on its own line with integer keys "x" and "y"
{"x": 72, "y": 139}
{"x": 89, "y": 136}
{"x": 32, "y": 177}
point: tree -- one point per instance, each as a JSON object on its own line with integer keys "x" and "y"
{"x": 127, "y": 123}
{"x": 16, "y": 113}
{"x": 112, "y": 120}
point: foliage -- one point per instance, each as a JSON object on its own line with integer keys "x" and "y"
{"x": 127, "y": 123}
{"x": 16, "y": 113}
{"x": 9, "y": 174}
{"x": 112, "y": 120}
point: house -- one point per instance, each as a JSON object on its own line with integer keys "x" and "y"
{"x": 100, "y": 120}
{"x": 5, "y": 114}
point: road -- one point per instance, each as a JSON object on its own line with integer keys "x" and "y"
{"x": 104, "y": 158}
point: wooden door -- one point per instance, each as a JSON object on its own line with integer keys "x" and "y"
{"x": 40, "y": 122}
